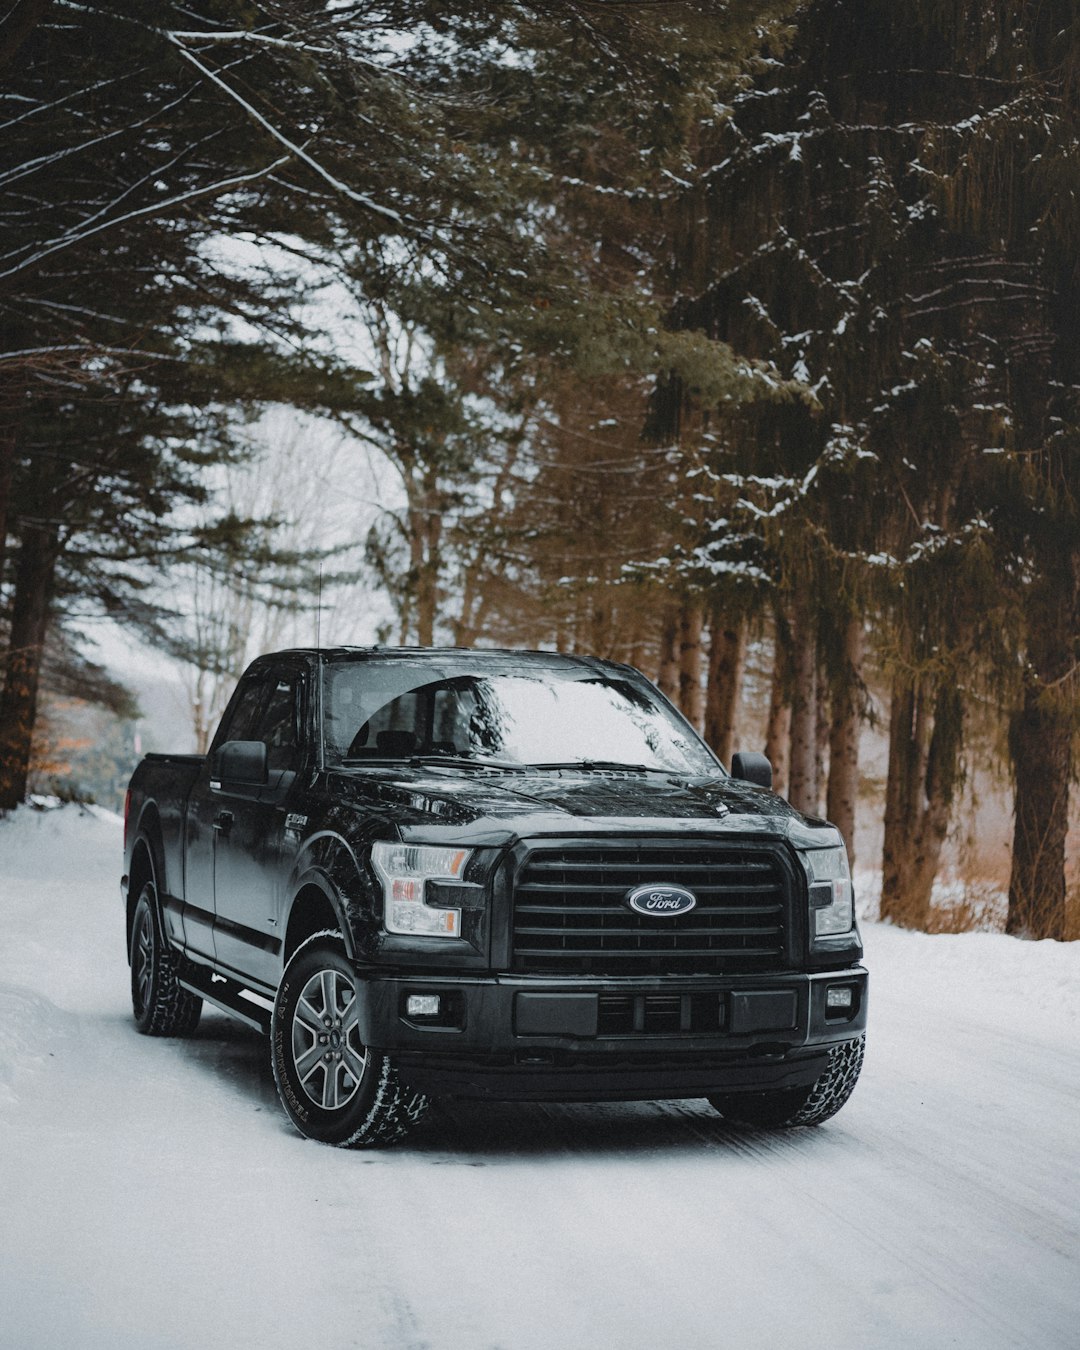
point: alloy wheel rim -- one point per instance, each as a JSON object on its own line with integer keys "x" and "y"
{"x": 143, "y": 962}
{"x": 327, "y": 1054}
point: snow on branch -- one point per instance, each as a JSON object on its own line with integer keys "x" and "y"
{"x": 359, "y": 198}
{"x": 179, "y": 40}
{"x": 244, "y": 35}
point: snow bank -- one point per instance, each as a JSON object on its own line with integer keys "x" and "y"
{"x": 1034, "y": 985}
{"x": 60, "y": 900}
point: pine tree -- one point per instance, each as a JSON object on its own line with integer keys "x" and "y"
{"x": 879, "y": 219}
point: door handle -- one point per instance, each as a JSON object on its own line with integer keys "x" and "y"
{"x": 223, "y": 821}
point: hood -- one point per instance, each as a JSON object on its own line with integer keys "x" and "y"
{"x": 433, "y": 803}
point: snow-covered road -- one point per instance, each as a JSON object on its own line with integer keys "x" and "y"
{"x": 152, "y": 1193}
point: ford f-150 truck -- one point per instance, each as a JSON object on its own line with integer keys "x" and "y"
{"x": 491, "y": 874}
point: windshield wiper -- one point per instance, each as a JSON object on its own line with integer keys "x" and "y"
{"x": 456, "y": 761}
{"x": 446, "y": 760}
{"x": 603, "y": 764}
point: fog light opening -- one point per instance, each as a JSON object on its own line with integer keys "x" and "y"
{"x": 423, "y": 1005}
{"x": 839, "y": 1000}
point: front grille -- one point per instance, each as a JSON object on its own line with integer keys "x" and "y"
{"x": 570, "y": 916}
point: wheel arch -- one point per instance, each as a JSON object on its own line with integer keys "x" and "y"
{"x": 146, "y": 865}
{"x": 330, "y": 886}
{"x": 316, "y": 905}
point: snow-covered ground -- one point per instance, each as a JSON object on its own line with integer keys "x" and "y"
{"x": 153, "y": 1195}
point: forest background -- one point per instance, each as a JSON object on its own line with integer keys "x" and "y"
{"x": 738, "y": 341}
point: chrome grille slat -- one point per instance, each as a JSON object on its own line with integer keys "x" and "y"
{"x": 577, "y": 865}
{"x": 683, "y": 933}
{"x": 604, "y": 888}
{"x": 587, "y": 910}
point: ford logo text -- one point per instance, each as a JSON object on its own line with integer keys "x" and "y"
{"x": 661, "y": 901}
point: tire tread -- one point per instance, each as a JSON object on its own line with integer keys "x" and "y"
{"x": 173, "y": 1010}
{"x": 395, "y": 1107}
{"x": 825, "y": 1096}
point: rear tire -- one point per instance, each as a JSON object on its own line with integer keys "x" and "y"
{"x": 333, "y": 1087}
{"x": 161, "y": 1005}
{"x": 784, "y": 1108}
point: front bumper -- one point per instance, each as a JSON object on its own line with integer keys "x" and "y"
{"x": 521, "y": 1038}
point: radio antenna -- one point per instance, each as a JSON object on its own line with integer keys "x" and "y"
{"x": 318, "y": 611}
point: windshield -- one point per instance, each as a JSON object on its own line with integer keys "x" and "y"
{"x": 515, "y": 712}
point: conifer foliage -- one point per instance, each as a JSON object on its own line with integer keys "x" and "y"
{"x": 888, "y": 215}
{"x": 690, "y": 331}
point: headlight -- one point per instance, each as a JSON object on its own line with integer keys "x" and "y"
{"x": 405, "y": 870}
{"x": 831, "y": 901}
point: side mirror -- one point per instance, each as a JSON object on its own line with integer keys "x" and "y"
{"x": 751, "y": 768}
{"x": 240, "y": 762}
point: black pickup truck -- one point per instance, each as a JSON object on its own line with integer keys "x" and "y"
{"x": 491, "y": 874}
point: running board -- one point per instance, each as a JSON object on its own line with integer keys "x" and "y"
{"x": 224, "y": 994}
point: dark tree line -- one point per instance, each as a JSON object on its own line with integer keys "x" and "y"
{"x": 876, "y": 216}
{"x": 691, "y": 328}
{"x": 889, "y": 215}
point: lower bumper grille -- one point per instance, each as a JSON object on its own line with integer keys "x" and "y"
{"x": 660, "y": 1014}
{"x": 570, "y": 915}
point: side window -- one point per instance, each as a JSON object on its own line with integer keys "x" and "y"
{"x": 242, "y": 718}
{"x": 279, "y": 724}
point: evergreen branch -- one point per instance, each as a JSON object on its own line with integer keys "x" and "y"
{"x": 51, "y": 160}
{"x": 75, "y": 96}
{"x": 358, "y": 198}
{"x": 155, "y": 172}
{"x": 29, "y": 354}
{"x": 143, "y": 213}
{"x": 244, "y": 35}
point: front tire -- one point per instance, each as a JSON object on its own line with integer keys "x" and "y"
{"x": 161, "y": 1005}
{"x": 783, "y": 1108}
{"x": 333, "y": 1087}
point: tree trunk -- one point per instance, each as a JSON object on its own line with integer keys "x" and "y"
{"x": 632, "y": 628}
{"x": 941, "y": 783}
{"x": 1040, "y": 745}
{"x": 667, "y": 678}
{"x": 802, "y": 786}
{"x": 424, "y": 535}
{"x": 427, "y": 581}
{"x": 22, "y": 666}
{"x": 7, "y": 470}
{"x": 924, "y": 771}
{"x": 727, "y": 660}
{"x": 600, "y": 623}
{"x": 778, "y": 729}
{"x": 464, "y": 625}
{"x": 691, "y": 694}
{"x": 900, "y": 800}
{"x": 822, "y": 722}
{"x": 847, "y": 700}
{"x": 582, "y": 621}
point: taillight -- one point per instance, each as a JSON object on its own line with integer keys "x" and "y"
{"x": 127, "y": 810}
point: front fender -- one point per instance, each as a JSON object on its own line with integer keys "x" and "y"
{"x": 329, "y": 863}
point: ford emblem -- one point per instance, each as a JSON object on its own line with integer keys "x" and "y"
{"x": 661, "y": 901}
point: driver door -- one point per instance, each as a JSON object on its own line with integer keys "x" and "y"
{"x": 253, "y": 852}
